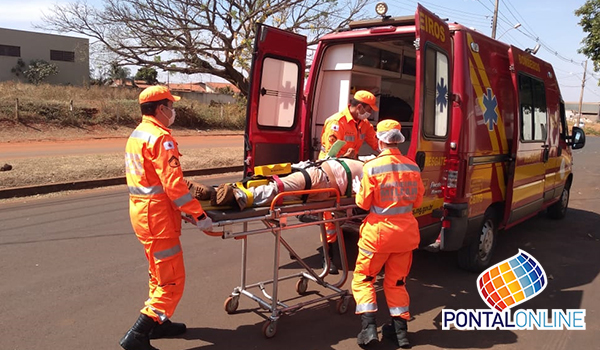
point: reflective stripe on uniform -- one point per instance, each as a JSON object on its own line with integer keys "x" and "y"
{"x": 398, "y": 310}
{"x": 363, "y": 136}
{"x": 133, "y": 164}
{"x": 331, "y": 232}
{"x": 391, "y": 211}
{"x": 370, "y": 307}
{"x": 366, "y": 252}
{"x": 183, "y": 200}
{"x": 160, "y": 315}
{"x": 163, "y": 254}
{"x": 349, "y": 138}
{"x": 143, "y": 135}
{"x": 387, "y": 168}
{"x": 146, "y": 190}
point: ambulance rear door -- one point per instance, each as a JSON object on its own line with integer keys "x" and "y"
{"x": 274, "y": 130}
{"x": 525, "y": 188}
{"x": 431, "y": 114}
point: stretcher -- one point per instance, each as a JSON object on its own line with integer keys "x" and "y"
{"x": 234, "y": 224}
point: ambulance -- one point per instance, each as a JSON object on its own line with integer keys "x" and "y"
{"x": 484, "y": 120}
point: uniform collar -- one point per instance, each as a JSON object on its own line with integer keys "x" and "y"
{"x": 153, "y": 120}
{"x": 346, "y": 113}
{"x": 390, "y": 151}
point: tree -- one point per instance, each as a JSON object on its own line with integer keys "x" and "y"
{"x": 201, "y": 36}
{"x": 590, "y": 23}
{"x": 36, "y": 72}
{"x": 116, "y": 72}
{"x": 147, "y": 74}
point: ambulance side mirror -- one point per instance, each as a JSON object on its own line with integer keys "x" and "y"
{"x": 577, "y": 139}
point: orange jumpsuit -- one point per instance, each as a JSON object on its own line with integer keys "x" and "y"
{"x": 157, "y": 196}
{"x": 390, "y": 188}
{"x": 341, "y": 126}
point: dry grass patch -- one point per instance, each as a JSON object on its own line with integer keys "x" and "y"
{"x": 46, "y": 170}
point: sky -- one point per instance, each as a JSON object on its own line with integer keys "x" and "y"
{"x": 552, "y": 22}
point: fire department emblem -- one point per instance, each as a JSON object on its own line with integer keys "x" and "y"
{"x": 490, "y": 117}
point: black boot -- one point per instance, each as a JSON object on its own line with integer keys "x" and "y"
{"x": 167, "y": 329}
{"x": 368, "y": 333}
{"x": 333, "y": 270}
{"x": 137, "y": 338}
{"x": 397, "y": 332}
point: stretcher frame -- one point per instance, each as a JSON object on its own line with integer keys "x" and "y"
{"x": 275, "y": 218}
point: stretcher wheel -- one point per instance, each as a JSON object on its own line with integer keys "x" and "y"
{"x": 342, "y": 305}
{"x": 231, "y": 304}
{"x": 302, "y": 286}
{"x": 269, "y": 329}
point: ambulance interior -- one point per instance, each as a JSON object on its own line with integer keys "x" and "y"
{"x": 386, "y": 68}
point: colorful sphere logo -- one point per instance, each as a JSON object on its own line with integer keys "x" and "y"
{"x": 512, "y": 281}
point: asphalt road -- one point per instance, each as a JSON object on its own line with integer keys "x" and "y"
{"x": 74, "y": 277}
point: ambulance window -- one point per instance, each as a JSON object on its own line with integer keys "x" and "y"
{"x": 563, "y": 121}
{"x": 435, "y": 110}
{"x": 277, "y": 100}
{"x": 534, "y": 116}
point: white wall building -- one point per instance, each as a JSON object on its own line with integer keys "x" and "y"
{"x": 70, "y": 54}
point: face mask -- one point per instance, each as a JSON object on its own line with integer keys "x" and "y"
{"x": 363, "y": 116}
{"x": 171, "y": 118}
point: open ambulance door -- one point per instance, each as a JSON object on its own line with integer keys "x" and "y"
{"x": 431, "y": 115}
{"x": 526, "y": 172}
{"x": 273, "y": 125}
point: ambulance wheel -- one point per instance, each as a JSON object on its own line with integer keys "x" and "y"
{"x": 558, "y": 210}
{"x": 477, "y": 255}
{"x": 269, "y": 329}
{"x": 302, "y": 286}
{"x": 341, "y": 305}
{"x": 231, "y": 304}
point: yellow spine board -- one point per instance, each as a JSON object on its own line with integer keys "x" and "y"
{"x": 273, "y": 169}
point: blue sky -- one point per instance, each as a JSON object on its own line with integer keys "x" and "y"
{"x": 552, "y": 21}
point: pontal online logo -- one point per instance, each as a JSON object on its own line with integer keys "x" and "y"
{"x": 506, "y": 285}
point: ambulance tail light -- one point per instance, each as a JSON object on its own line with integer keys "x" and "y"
{"x": 451, "y": 178}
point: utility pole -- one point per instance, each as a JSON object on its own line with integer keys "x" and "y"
{"x": 581, "y": 95}
{"x": 495, "y": 20}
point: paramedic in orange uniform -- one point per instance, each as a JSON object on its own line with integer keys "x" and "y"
{"x": 350, "y": 125}
{"x": 157, "y": 196}
{"x": 390, "y": 188}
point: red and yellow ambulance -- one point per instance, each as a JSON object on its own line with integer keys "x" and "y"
{"x": 484, "y": 120}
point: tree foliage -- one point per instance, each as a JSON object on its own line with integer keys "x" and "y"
{"x": 116, "y": 72}
{"x": 147, "y": 74}
{"x": 36, "y": 71}
{"x": 590, "y": 23}
{"x": 197, "y": 36}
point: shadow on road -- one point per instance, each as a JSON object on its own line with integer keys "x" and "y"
{"x": 567, "y": 249}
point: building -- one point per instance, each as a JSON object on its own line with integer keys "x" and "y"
{"x": 70, "y": 54}
{"x": 590, "y": 111}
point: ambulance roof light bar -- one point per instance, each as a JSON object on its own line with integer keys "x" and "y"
{"x": 386, "y": 20}
{"x": 381, "y": 9}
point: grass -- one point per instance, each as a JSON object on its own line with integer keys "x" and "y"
{"x": 102, "y": 105}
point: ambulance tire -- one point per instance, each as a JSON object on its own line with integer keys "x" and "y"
{"x": 558, "y": 210}
{"x": 477, "y": 255}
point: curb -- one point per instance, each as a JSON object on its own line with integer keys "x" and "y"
{"x": 88, "y": 184}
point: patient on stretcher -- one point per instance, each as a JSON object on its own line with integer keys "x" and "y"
{"x": 334, "y": 173}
